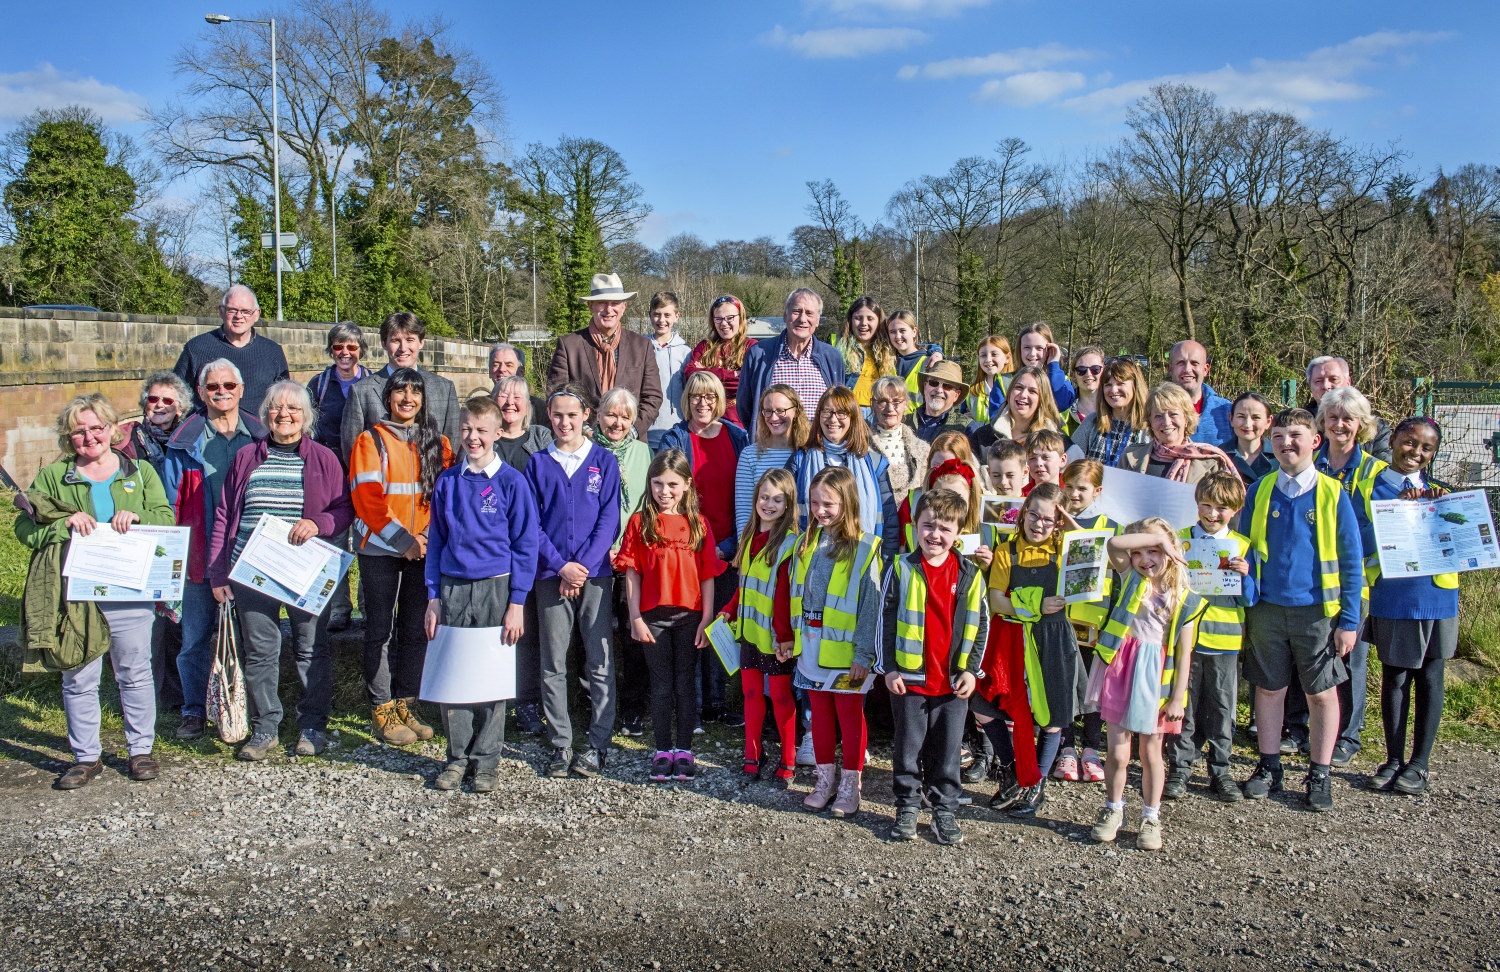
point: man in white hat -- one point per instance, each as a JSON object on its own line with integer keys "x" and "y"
{"x": 604, "y": 355}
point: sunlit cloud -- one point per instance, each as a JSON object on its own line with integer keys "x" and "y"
{"x": 44, "y": 86}
{"x": 842, "y": 42}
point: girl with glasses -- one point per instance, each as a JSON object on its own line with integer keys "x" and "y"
{"x": 722, "y": 353}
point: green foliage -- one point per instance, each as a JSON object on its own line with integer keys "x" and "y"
{"x": 76, "y": 240}
{"x": 848, "y": 277}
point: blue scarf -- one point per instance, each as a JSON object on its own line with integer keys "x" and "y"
{"x": 865, "y": 470}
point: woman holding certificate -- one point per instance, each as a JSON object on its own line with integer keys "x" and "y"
{"x": 93, "y": 488}
{"x": 292, "y": 478}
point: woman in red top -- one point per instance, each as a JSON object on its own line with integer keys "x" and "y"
{"x": 722, "y": 353}
{"x": 668, "y": 558}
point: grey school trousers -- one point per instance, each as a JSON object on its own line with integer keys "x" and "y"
{"x": 475, "y": 732}
{"x": 589, "y": 614}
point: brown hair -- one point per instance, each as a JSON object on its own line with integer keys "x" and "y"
{"x": 481, "y": 406}
{"x": 402, "y": 322}
{"x": 879, "y": 346}
{"x": 857, "y": 441}
{"x": 1003, "y": 450}
{"x": 991, "y": 340}
{"x": 1044, "y": 492}
{"x": 786, "y": 523}
{"x": 662, "y": 298}
{"x": 1035, "y": 327}
{"x": 1046, "y": 405}
{"x": 954, "y": 442}
{"x": 1122, "y": 371}
{"x": 1046, "y": 440}
{"x": 801, "y": 428}
{"x": 1090, "y": 471}
{"x": 730, "y": 354}
{"x": 673, "y": 461}
{"x": 846, "y": 529}
{"x": 1221, "y": 489}
{"x": 1294, "y": 416}
{"x": 948, "y": 506}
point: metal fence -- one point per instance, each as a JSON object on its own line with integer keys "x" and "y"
{"x": 1468, "y": 412}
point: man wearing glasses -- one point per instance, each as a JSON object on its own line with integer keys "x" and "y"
{"x": 260, "y": 359}
{"x": 943, "y": 388}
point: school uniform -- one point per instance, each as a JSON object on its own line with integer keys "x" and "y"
{"x": 1310, "y": 582}
{"x": 578, "y": 503}
{"x": 1213, "y": 678}
{"x": 933, "y": 626}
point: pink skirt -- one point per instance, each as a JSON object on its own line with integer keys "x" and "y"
{"x": 1127, "y": 693}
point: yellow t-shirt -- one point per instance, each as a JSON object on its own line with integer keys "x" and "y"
{"x": 1028, "y": 554}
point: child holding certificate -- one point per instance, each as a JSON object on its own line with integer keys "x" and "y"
{"x": 761, "y": 605}
{"x": 1413, "y": 622}
{"x": 1083, "y": 485}
{"x": 481, "y": 562}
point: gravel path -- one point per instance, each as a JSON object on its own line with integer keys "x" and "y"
{"x": 358, "y": 863}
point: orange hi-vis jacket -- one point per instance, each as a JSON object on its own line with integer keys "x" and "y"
{"x": 390, "y": 508}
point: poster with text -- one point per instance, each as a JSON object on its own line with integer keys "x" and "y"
{"x": 1208, "y": 567}
{"x": 1419, "y": 538}
{"x": 164, "y": 580}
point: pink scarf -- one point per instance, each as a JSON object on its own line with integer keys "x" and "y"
{"x": 1181, "y": 457}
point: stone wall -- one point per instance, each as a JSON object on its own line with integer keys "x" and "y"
{"x": 48, "y": 357}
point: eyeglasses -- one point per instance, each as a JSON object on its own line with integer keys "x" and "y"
{"x": 89, "y": 432}
{"x": 1093, "y": 370}
{"x": 349, "y": 348}
{"x": 240, "y": 312}
{"x": 777, "y": 412}
{"x": 726, "y": 320}
{"x": 292, "y": 409}
{"x": 213, "y": 386}
{"x": 160, "y": 400}
{"x": 705, "y": 399}
{"x": 890, "y": 403}
{"x": 1039, "y": 520}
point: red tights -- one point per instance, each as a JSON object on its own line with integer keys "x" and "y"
{"x": 837, "y": 714}
{"x": 783, "y": 710}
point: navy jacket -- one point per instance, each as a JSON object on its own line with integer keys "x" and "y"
{"x": 755, "y": 376}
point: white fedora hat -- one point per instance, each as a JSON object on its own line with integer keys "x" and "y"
{"x": 607, "y": 286}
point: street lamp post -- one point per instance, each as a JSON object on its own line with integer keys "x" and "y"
{"x": 217, "y": 19}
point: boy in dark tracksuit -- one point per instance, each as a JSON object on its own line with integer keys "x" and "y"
{"x": 932, "y": 636}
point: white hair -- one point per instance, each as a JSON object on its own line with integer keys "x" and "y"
{"x": 240, "y": 289}
{"x": 1324, "y": 359}
{"x": 219, "y": 364}
{"x": 802, "y": 292}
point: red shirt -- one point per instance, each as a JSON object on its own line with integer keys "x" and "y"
{"x": 671, "y": 571}
{"x": 714, "y": 464}
{"x": 937, "y": 636}
{"x": 781, "y": 600}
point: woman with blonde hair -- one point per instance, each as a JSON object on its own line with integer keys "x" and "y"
{"x": 1172, "y": 454}
{"x": 1028, "y": 406}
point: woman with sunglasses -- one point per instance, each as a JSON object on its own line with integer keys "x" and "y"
{"x": 1119, "y": 418}
{"x": 329, "y": 389}
{"x": 1088, "y": 365}
{"x": 722, "y": 353}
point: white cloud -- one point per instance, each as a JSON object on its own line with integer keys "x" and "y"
{"x": 1000, "y": 62}
{"x": 847, "y": 41}
{"x": 907, "y": 8}
{"x": 44, "y": 86}
{"x": 1324, "y": 75}
{"x": 1030, "y": 88}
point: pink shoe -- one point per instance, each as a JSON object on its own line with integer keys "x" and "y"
{"x": 1067, "y": 766}
{"x": 1093, "y": 767}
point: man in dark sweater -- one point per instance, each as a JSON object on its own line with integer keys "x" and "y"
{"x": 260, "y": 359}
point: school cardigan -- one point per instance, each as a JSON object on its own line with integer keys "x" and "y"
{"x": 484, "y": 524}
{"x": 579, "y": 516}
{"x": 1409, "y": 598}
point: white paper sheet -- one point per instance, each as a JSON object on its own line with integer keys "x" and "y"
{"x": 968, "y": 543}
{"x": 468, "y": 666}
{"x": 110, "y": 558}
{"x": 1442, "y": 536}
{"x": 164, "y": 583}
{"x": 270, "y": 552}
{"x": 1205, "y": 557}
{"x": 1130, "y": 496}
{"x": 312, "y": 599}
{"x": 725, "y": 645}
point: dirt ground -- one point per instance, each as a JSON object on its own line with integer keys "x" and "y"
{"x": 356, "y": 862}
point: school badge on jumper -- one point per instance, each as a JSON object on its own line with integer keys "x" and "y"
{"x": 1312, "y": 518}
{"x": 489, "y": 500}
{"x": 596, "y": 480}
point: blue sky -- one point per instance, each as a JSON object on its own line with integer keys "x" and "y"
{"x": 723, "y": 111}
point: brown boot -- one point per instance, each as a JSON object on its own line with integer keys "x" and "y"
{"x": 389, "y": 728}
{"x": 404, "y": 709}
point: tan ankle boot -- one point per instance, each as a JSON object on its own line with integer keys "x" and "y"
{"x": 822, "y": 787}
{"x": 404, "y": 710}
{"x": 389, "y": 728}
{"x": 847, "y": 803}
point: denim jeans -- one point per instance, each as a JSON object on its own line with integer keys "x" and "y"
{"x": 200, "y": 622}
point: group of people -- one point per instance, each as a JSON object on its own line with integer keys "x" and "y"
{"x": 816, "y": 496}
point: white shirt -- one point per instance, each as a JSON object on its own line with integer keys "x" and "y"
{"x": 490, "y": 468}
{"x": 1294, "y": 486}
{"x": 1201, "y": 534}
{"x": 570, "y": 462}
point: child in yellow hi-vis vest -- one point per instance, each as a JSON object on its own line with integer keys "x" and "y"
{"x": 1147, "y": 645}
{"x": 1083, "y": 485}
{"x": 932, "y": 631}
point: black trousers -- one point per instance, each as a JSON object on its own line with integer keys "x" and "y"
{"x": 395, "y": 642}
{"x": 929, "y": 732}
{"x": 673, "y": 661}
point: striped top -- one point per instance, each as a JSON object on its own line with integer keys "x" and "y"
{"x": 275, "y": 487}
{"x": 754, "y": 462}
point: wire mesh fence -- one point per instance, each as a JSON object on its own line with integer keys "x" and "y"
{"x": 1468, "y": 412}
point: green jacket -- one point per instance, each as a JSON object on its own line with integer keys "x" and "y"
{"x": 57, "y": 634}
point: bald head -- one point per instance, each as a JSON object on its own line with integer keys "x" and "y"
{"x": 1188, "y": 366}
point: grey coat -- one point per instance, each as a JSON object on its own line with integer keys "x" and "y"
{"x": 366, "y": 406}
